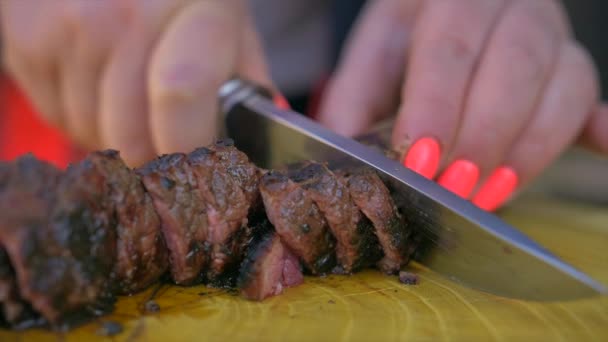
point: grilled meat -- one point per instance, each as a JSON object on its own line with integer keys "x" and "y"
{"x": 141, "y": 253}
{"x": 298, "y": 221}
{"x": 61, "y": 243}
{"x": 174, "y": 189}
{"x": 227, "y": 208}
{"x": 374, "y": 200}
{"x": 70, "y": 241}
{"x": 357, "y": 245}
{"x": 268, "y": 267}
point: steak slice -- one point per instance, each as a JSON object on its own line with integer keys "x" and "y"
{"x": 268, "y": 267}
{"x": 227, "y": 210}
{"x": 13, "y": 309}
{"x": 357, "y": 245}
{"x": 141, "y": 251}
{"x": 182, "y": 211}
{"x": 373, "y": 198}
{"x": 298, "y": 221}
{"x": 242, "y": 170}
{"x": 62, "y": 244}
{"x": 26, "y": 177}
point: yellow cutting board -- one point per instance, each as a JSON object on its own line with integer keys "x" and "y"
{"x": 372, "y": 307}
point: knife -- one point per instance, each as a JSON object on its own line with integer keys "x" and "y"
{"x": 459, "y": 241}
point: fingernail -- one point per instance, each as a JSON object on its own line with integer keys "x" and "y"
{"x": 423, "y": 157}
{"x": 460, "y": 177}
{"x": 497, "y": 189}
{"x": 281, "y": 102}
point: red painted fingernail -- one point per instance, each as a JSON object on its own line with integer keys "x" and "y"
{"x": 281, "y": 102}
{"x": 423, "y": 157}
{"x": 460, "y": 177}
{"x": 497, "y": 189}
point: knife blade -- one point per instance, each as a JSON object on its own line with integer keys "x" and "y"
{"x": 460, "y": 241}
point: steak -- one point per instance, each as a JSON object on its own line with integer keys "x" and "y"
{"x": 174, "y": 190}
{"x": 298, "y": 221}
{"x": 241, "y": 169}
{"x": 268, "y": 267}
{"x": 13, "y": 309}
{"x": 141, "y": 252}
{"x": 61, "y": 243}
{"x": 26, "y": 178}
{"x": 373, "y": 198}
{"x": 357, "y": 245}
{"x": 227, "y": 210}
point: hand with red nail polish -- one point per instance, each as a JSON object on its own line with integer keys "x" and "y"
{"x": 487, "y": 94}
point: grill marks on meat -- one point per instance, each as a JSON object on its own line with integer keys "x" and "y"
{"x": 141, "y": 252}
{"x": 13, "y": 309}
{"x": 69, "y": 241}
{"x": 373, "y": 198}
{"x": 241, "y": 169}
{"x": 227, "y": 210}
{"x": 61, "y": 243}
{"x": 268, "y": 267}
{"x": 357, "y": 245}
{"x": 298, "y": 221}
{"x": 24, "y": 188}
{"x": 174, "y": 190}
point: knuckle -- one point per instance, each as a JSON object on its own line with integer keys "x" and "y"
{"x": 457, "y": 47}
{"x": 179, "y": 84}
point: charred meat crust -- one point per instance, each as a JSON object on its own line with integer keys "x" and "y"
{"x": 227, "y": 210}
{"x": 241, "y": 169}
{"x": 298, "y": 221}
{"x": 141, "y": 252}
{"x": 373, "y": 198}
{"x": 13, "y": 309}
{"x": 102, "y": 228}
{"x": 174, "y": 190}
{"x": 357, "y": 245}
{"x": 62, "y": 247}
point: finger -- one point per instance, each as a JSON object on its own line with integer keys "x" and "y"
{"x": 509, "y": 83}
{"x": 595, "y": 135}
{"x": 95, "y": 26}
{"x": 124, "y": 101}
{"x": 569, "y": 99}
{"x": 197, "y": 53}
{"x": 31, "y": 56}
{"x": 251, "y": 61}
{"x": 448, "y": 43}
{"x": 365, "y": 87}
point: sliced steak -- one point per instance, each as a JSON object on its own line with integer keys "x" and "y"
{"x": 13, "y": 309}
{"x": 142, "y": 256}
{"x": 373, "y": 198}
{"x": 62, "y": 244}
{"x": 242, "y": 170}
{"x": 298, "y": 221}
{"x": 357, "y": 245}
{"x": 268, "y": 267}
{"x": 182, "y": 211}
{"x": 227, "y": 210}
{"x": 26, "y": 178}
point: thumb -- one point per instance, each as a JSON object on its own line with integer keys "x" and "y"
{"x": 199, "y": 52}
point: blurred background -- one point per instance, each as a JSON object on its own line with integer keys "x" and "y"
{"x": 578, "y": 175}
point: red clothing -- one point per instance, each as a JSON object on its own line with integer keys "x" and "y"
{"x": 22, "y": 131}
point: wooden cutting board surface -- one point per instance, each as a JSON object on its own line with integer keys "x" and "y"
{"x": 372, "y": 307}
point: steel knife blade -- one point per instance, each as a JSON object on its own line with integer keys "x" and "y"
{"x": 460, "y": 241}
